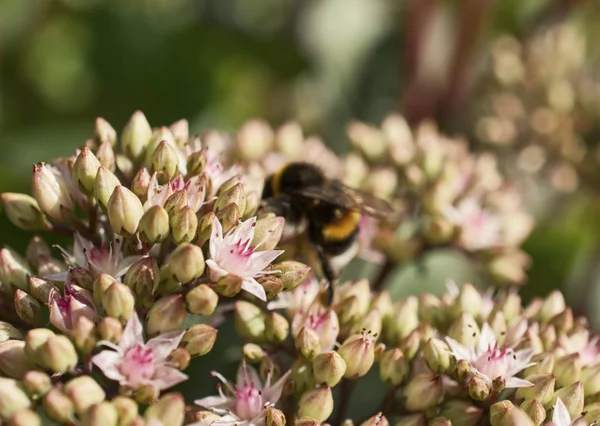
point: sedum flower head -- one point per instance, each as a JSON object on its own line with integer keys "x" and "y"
{"x": 135, "y": 363}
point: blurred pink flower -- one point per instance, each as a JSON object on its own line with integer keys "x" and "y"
{"x": 65, "y": 311}
{"x": 479, "y": 228}
{"x": 367, "y": 230}
{"x": 233, "y": 255}
{"x": 134, "y": 363}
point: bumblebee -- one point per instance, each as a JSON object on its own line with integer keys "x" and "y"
{"x": 328, "y": 211}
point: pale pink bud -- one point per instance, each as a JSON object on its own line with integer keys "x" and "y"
{"x": 124, "y": 211}
{"x": 136, "y": 135}
{"x": 84, "y": 392}
{"x": 52, "y": 193}
{"x": 104, "y": 186}
{"x": 422, "y": 392}
{"x": 359, "y": 353}
{"x": 85, "y": 170}
{"x": 167, "y": 314}
{"x": 24, "y": 212}
{"x": 316, "y": 403}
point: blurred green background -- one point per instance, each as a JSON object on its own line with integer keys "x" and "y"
{"x": 322, "y": 62}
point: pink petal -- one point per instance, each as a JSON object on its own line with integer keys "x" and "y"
{"x": 259, "y": 260}
{"x": 459, "y": 351}
{"x": 561, "y": 416}
{"x": 163, "y": 345}
{"x": 273, "y": 393}
{"x": 216, "y": 271}
{"x": 125, "y": 264}
{"x": 246, "y": 374}
{"x": 132, "y": 333}
{"x": 245, "y": 231}
{"x": 216, "y": 402}
{"x": 57, "y": 317}
{"x": 253, "y": 287}
{"x": 166, "y": 377}
{"x": 515, "y": 382}
{"x": 487, "y": 338}
{"x": 216, "y": 239}
{"x": 108, "y": 362}
{"x": 522, "y": 359}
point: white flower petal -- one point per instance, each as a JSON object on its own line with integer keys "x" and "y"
{"x": 259, "y": 260}
{"x": 515, "y": 382}
{"x": 108, "y": 362}
{"x": 487, "y": 339}
{"x": 216, "y": 239}
{"x": 163, "y": 345}
{"x": 561, "y": 416}
{"x": 253, "y": 287}
{"x": 132, "y": 333}
{"x": 247, "y": 375}
{"x": 166, "y": 377}
{"x": 245, "y": 231}
{"x": 216, "y": 271}
{"x": 215, "y": 402}
{"x": 459, "y": 351}
{"x": 273, "y": 393}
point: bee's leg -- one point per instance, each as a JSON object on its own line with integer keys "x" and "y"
{"x": 328, "y": 272}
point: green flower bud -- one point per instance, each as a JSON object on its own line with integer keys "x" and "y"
{"x": 292, "y": 273}
{"x": 146, "y": 394}
{"x": 186, "y": 263}
{"x": 307, "y": 421}
{"x": 105, "y": 185}
{"x": 179, "y": 358}
{"x": 413, "y": 420}
{"x": 141, "y": 183}
{"x": 83, "y": 335}
{"x": 13, "y": 361}
{"x": 253, "y": 353}
{"x": 548, "y": 336}
{"x": 277, "y": 328}
{"x": 267, "y": 232}
{"x": 423, "y": 391}
{"x": 410, "y": 346}
{"x": 58, "y": 406}
{"x": 167, "y": 314}
{"x": 118, "y": 301}
{"x": 37, "y": 249}
{"x": 36, "y": 383}
{"x": 504, "y": 413}
{"x": 535, "y": 410}
{"x": 592, "y": 413}
{"x": 234, "y": 195}
{"x": 542, "y": 389}
{"x": 34, "y": 340}
{"x": 165, "y": 162}
{"x": 229, "y": 216}
{"x": 359, "y": 353}
{"x": 40, "y": 289}
{"x": 183, "y": 225}
{"x": 462, "y": 412}
{"x": 479, "y": 388}
{"x": 572, "y": 397}
{"x": 25, "y": 417}
{"x": 12, "y": 398}
{"x": 136, "y": 136}
{"x": 85, "y": 170}
{"x": 274, "y": 417}
{"x": 229, "y": 285}
{"x": 464, "y": 330}
{"x": 82, "y": 277}
{"x": 199, "y": 339}
{"x": 328, "y": 368}
{"x": 405, "y": 319}
{"x": 250, "y": 321}
{"x": 393, "y": 367}
{"x": 127, "y": 409}
{"x": 196, "y": 163}
{"x": 383, "y": 303}
{"x": 590, "y": 378}
{"x": 8, "y": 331}
{"x": 437, "y": 356}
{"x": 205, "y": 228}
{"x": 124, "y": 211}
{"x": 563, "y": 322}
{"x": 104, "y": 132}
{"x": 24, "y": 212}
{"x": 553, "y": 305}
{"x": 106, "y": 156}
{"x": 371, "y": 322}
{"x": 110, "y": 329}
{"x": 13, "y": 270}
{"x": 272, "y": 285}
{"x": 176, "y": 201}
{"x": 510, "y": 304}
{"x": 57, "y": 354}
{"x": 154, "y": 225}
{"x": 159, "y": 135}
{"x": 84, "y": 392}
{"x": 468, "y": 300}
{"x": 201, "y": 300}
{"x": 28, "y": 309}
{"x": 169, "y": 409}
{"x": 542, "y": 363}
{"x": 430, "y": 309}
{"x": 101, "y": 283}
{"x": 567, "y": 369}
{"x": 302, "y": 375}
{"x": 269, "y": 366}
{"x": 316, "y": 403}
{"x": 439, "y": 421}
{"x": 51, "y": 193}
{"x": 307, "y": 342}
{"x": 102, "y": 414}
{"x": 143, "y": 278}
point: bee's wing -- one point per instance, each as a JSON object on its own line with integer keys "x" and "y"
{"x": 337, "y": 193}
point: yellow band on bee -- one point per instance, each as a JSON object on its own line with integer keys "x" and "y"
{"x": 343, "y": 227}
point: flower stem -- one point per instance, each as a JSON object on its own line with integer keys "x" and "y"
{"x": 387, "y": 268}
{"x": 347, "y": 386}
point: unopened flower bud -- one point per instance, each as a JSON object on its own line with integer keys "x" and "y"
{"x": 229, "y": 216}
{"x": 592, "y": 413}
{"x": 141, "y": 183}
{"x": 468, "y": 300}
{"x": 124, "y": 211}
{"x": 393, "y": 367}
{"x": 58, "y": 406}
{"x": 102, "y": 414}
{"x": 143, "y": 278}
{"x": 423, "y": 391}
{"x": 146, "y": 394}
{"x": 106, "y": 156}
{"x": 462, "y": 413}
{"x": 165, "y": 161}
{"x": 186, "y": 263}
{"x": 52, "y": 193}
{"x": 205, "y": 228}
{"x": 83, "y": 334}
{"x": 307, "y": 421}
{"x": 370, "y": 322}
{"x": 36, "y": 383}
{"x": 37, "y": 249}
{"x": 34, "y": 340}
{"x": 439, "y": 421}
{"x": 25, "y": 417}
{"x": 267, "y": 232}
{"x": 104, "y": 132}
{"x": 105, "y": 185}
{"x": 405, "y": 319}
{"x": 169, "y": 409}
{"x": 84, "y": 392}
{"x": 24, "y": 212}
{"x": 13, "y": 270}
{"x": 196, "y": 163}
{"x": 253, "y": 353}
{"x": 136, "y": 136}
{"x": 359, "y": 353}
{"x": 12, "y": 398}
{"x": 464, "y": 330}
{"x": 437, "y": 355}
{"x": 572, "y": 397}
{"x": 179, "y": 358}
{"x": 183, "y": 225}
{"x": 543, "y": 363}
{"x": 276, "y": 327}
{"x": 199, "y": 339}
{"x": 272, "y": 285}
{"x": 201, "y": 300}
{"x": 249, "y": 321}
{"x": 154, "y": 225}
{"x": 316, "y": 403}
{"x": 411, "y": 344}
{"x": 254, "y": 140}
{"x": 590, "y": 378}
{"x": 535, "y": 410}
{"x": 553, "y": 305}
{"x": 57, "y": 354}
{"x": 229, "y": 285}
{"x": 274, "y": 417}
{"x": 328, "y": 368}
{"x": 542, "y": 389}
{"x": 118, "y": 301}
{"x": 567, "y": 369}
{"x": 307, "y": 342}
{"x": 13, "y": 360}
{"x": 28, "y": 309}
{"x": 162, "y": 134}
{"x": 479, "y": 388}
{"x": 127, "y": 409}
{"x": 85, "y": 170}
{"x": 234, "y": 195}
{"x": 81, "y": 277}
{"x": 167, "y": 314}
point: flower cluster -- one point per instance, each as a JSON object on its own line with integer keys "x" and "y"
{"x": 170, "y": 243}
